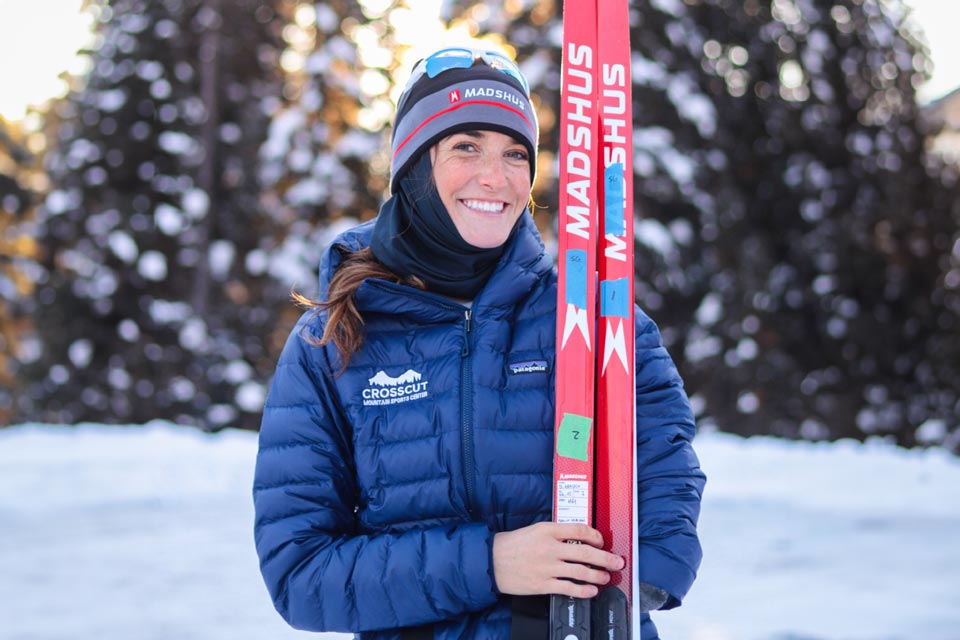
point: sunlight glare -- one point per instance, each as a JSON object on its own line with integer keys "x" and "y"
{"x": 938, "y": 20}
{"x": 420, "y": 31}
{"x": 39, "y": 40}
{"x": 305, "y": 15}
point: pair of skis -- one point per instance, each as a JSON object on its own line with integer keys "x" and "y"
{"x": 595, "y": 445}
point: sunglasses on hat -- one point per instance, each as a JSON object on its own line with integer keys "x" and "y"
{"x": 463, "y": 58}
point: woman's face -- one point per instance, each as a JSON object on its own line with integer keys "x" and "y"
{"x": 483, "y": 178}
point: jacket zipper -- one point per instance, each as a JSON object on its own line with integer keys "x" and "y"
{"x": 466, "y": 418}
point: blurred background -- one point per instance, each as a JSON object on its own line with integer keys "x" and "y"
{"x": 171, "y": 169}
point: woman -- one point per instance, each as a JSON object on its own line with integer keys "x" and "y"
{"x": 403, "y": 482}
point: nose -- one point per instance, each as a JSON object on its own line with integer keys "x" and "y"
{"x": 493, "y": 170}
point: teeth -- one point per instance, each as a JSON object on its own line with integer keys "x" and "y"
{"x": 483, "y": 205}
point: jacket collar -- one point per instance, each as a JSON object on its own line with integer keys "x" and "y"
{"x": 524, "y": 262}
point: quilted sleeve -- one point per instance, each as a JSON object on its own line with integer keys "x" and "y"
{"x": 670, "y": 482}
{"x": 322, "y": 574}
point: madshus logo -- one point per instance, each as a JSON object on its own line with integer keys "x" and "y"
{"x": 486, "y": 92}
{"x": 385, "y": 389}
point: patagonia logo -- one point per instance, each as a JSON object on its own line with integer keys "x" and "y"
{"x": 385, "y": 389}
{"x": 529, "y": 366}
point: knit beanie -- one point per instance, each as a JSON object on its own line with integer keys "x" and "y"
{"x": 476, "y": 98}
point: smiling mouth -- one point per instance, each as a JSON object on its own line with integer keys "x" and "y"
{"x": 485, "y": 206}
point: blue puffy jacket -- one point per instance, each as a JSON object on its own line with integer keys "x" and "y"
{"x": 378, "y": 491}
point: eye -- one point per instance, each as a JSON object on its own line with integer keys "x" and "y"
{"x": 518, "y": 154}
{"x": 464, "y": 145}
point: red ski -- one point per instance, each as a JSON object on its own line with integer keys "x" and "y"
{"x": 576, "y": 294}
{"x": 615, "y": 489}
{"x": 595, "y": 454}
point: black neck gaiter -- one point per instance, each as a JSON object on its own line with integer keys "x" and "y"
{"x": 414, "y": 235}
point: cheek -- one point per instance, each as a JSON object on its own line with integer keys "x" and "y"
{"x": 521, "y": 184}
{"x": 448, "y": 181}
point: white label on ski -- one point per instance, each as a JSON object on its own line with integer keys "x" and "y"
{"x": 573, "y": 502}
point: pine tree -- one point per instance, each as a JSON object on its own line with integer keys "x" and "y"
{"x": 823, "y": 264}
{"x": 319, "y": 163}
{"x": 794, "y": 243}
{"x": 150, "y": 307}
{"x": 937, "y": 404}
{"x": 19, "y": 175}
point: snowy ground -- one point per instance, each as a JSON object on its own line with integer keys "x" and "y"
{"x": 145, "y": 533}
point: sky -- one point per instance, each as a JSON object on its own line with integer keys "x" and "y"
{"x": 939, "y": 20}
{"x": 146, "y": 532}
{"x": 39, "y": 39}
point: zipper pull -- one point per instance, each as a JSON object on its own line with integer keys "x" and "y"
{"x": 466, "y": 333}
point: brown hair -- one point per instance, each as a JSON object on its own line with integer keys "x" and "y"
{"x": 344, "y": 326}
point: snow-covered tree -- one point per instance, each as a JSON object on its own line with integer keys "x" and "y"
{"x": 319, "y": 165}
{"x": 153, "y": 303}
{"x": 794, "y": 242}
{"x": 817, "y": 239}
{"x": 19, "y": 177}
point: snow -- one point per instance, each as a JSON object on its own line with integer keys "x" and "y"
{"x": 146, "y": 532}
{"x": 119, "y": 379}
{"x": 701, "y": 345}
{"x": 673, "y": 7}
{"x": 692, "y": 105}
{"x": 152, "y": 265}
{"x": 123, "y": 246}
{"x": 221, "y": 256}
{"x": 251, "y": 396}
{"x": 81, "y": 152}
{"x": 57, "y": 202}
{"x": 282, "y": 129}
{"x": 134, "y": 22}
{"x": 651, "y": 233}
{"x": 193, "y": 335}
{"x": 710, "y": 309}
{"x": 256, "y": 262}
{"x": 237, "y": 371}
{"x": 80, "y": 352}
{"x": 168, "y": 312}
{"x": 78, "y": 262}
{"x": 654, "y": 145}
{"x": 357, "y": 144}
{"x": 111, "y": 100}
{"x": 128, "y": 330}
{"x": 196, "y": 202}
{"x": 169, "y": 219}
{"x": 161, "y": 90}
{"x": 149, "y": 70}
{"x": 177, "y": 143}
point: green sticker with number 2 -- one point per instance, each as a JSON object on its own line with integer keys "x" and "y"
{"x": 573, "y": 437}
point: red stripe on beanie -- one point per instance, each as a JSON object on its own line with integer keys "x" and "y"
{"x": 457, "y": 106}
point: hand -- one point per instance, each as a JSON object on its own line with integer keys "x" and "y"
{"x": 538, "y": 559}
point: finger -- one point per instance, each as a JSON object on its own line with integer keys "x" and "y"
{"x": 583, "y": 573}
{"x": 567, "y": 588}
{"x": 580, "y": 533}
{"x": 584, "y": 554}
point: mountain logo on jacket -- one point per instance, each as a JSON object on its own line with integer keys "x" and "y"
{"x": 385, "y": 389}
